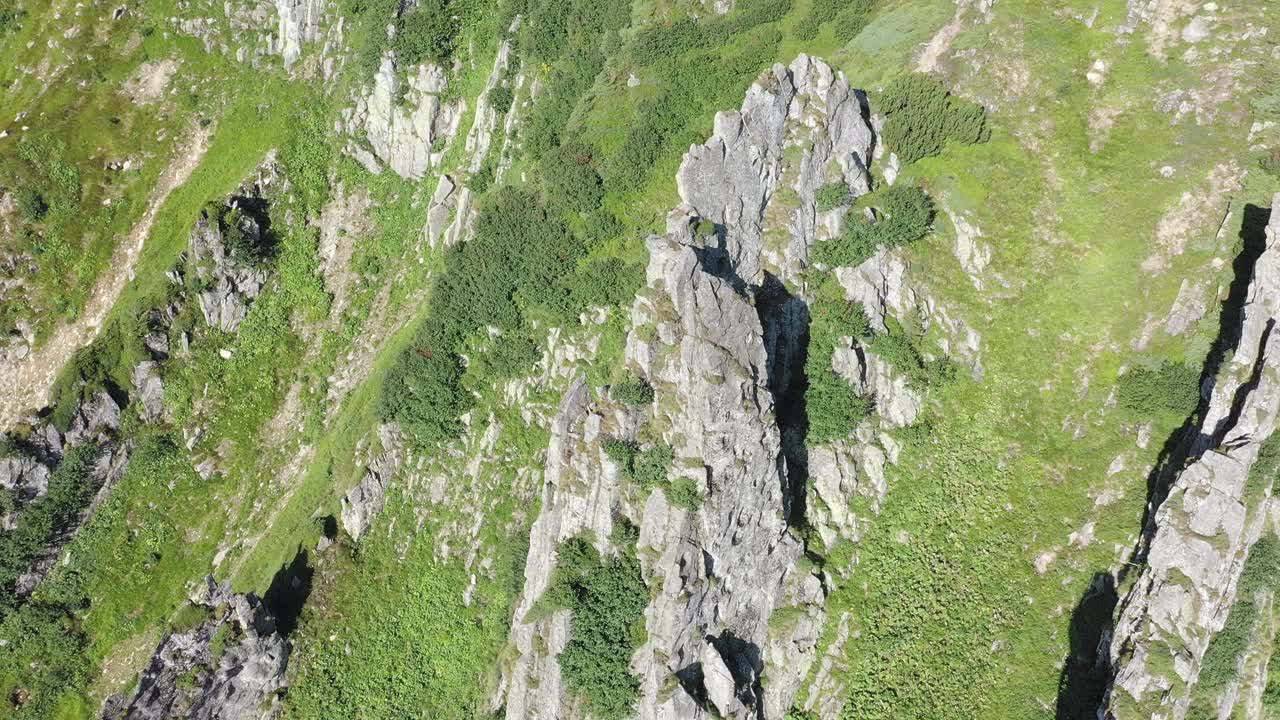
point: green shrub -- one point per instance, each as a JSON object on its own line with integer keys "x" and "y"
{"x": 605, "y": 283}
{"x": 649, "y": 467}
{"x": 423, "y": 391}
{"x": 906, "y": 216}
{"x": 70, "y": 490}
{"x": 517, "y": 262}
{"x": 621, "y": 451}
{"x": 633, "y": 391}
{"x": 852, "y": 20}
{"x": 601, "y": 226}
{"x": 606, "y": 599}
{"x": 1171, "y": 387}
{"x": 1264, "y": 470}
{"x": 45, "y": 657}
{"x": 832, "y": 195}
{"x": 505, "y": 356}
{"x": 11, "y": 15}
{"x": 481, "y": 180}
{"x": 568, "y": 179}
{"x": 425, "y": 33}
{"x": 832, "y": 406}
{"x": 683, "y": 493}
{"x": 856, "y": 245}
{"x": 31, "y": 204}
{"x": 921, "y": 117}
{"x": 501, "y": 99}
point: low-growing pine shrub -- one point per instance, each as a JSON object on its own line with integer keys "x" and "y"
{"x": 1170, "y": 387}
{"x": 921, "y": 117}
{"x": 832, "y": 195}
{"x": 633, "y": 391}
{"x": 906, "y": 215}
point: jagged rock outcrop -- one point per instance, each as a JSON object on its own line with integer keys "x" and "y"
{"x": 253, "y": 30}
{"x": 412, "y": 136}
{"x": 1203, "y": 530}
{"x": 733, "y": 176}
{"x": 150, "y": 391}
{"x": 299, "y": 24}
{"x": 230, "y": 666}
{"x": 721, "y": 333}
{"x": 363, "y": 502}
{"x": 230, "y": 280}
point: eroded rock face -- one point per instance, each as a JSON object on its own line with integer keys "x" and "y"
{"x": 720, "y": 331}
{"x": 363, "y": 503}
{"x": 231, "y": 281}
{"x": 186, "y": 678}
{"x": 1204, "y": 529}
{"x": 412, "y": 136}
{"x": 732, "y": 177}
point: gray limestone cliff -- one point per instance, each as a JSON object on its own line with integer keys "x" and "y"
{"x": 1215, "y": 511}
{"x": 721, "y": 331}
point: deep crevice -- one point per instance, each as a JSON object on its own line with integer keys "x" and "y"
{"x": 785, "y": 319}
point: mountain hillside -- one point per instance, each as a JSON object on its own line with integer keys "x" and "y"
{"x": 658, "y": 359}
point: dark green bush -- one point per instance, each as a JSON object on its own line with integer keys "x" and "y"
{"x": 606, "y": 598}
{"x": 501, "y": 98}
{"x": 833, "y": 408}
{"x": 921, "y": 117}
{"x": 606, "y": 282}
{"x": 683, "y": 493}
{"x": 1264, "y": 470}
{"x": 423, "y": 391}
{"x": 832, "y": 195}
{"x": 425, "y": 33}
{"x": 1171, "y": 387}
{"x": 649, "y": 467}
{"x": 11, "y": 15}
{"x": 70, "y": 489}
{"x": 1261, "y": 569}
{"x": 601, "y": 226}
{"x": 633, "y": 391}
{"x": 568, "y": 36}
{"x": 568, "y": 179}
{"x": 852, "y": 16}
{"x": 688, "y": 61}
{"x": 517, "y": 260}
{"x": 31, "y": 204}
{"x": 504, "y": 357}
{"x": 45, "y": 657}
{"x": 621, "y": 451}
{"x": 852, "y": 20}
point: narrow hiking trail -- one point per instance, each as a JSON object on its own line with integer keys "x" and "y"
{"x": 25, "y": 383}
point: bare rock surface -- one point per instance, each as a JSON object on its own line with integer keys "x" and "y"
{"x": 188, "y": 678}
{"x": 412, "y": 136}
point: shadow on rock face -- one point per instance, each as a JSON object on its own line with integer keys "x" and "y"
{"x": 289, "y": 591}
{"x": 1085, "y": 669}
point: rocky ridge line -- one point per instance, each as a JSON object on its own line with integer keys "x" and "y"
{"x": 1205, "y": 527}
